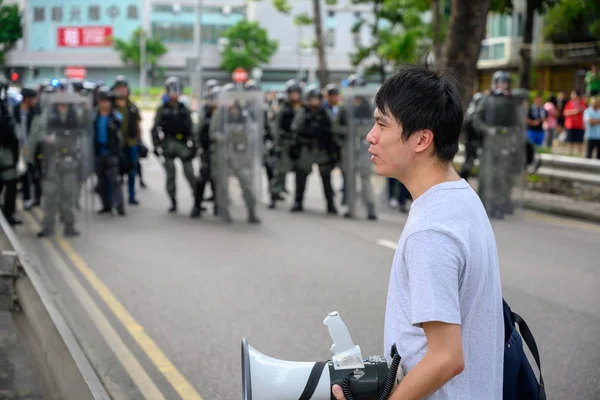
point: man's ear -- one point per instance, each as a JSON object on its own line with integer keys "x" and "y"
{"x": 424, "y": 140}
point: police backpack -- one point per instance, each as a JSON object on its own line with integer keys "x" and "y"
{"x": 520, "y": 382}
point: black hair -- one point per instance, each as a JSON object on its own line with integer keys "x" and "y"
{"x": 422, "y": 97}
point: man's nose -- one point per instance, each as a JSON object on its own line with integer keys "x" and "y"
{"x": 372, "y": 137}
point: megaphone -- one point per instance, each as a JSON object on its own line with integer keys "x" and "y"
{"x": 267, "y": 378}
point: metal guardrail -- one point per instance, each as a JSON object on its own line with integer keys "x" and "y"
{"x": 560, "y": 167}
{"x": 61, "y": 356}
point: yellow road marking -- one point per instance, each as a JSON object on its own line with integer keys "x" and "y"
{"x": 162, "y": 363}
{"x": 112, "y": 338}
{"x": 562, "y": 221}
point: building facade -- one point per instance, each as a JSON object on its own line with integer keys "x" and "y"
{"x": 79, "y": 33}
{"x": 553, "y": 68}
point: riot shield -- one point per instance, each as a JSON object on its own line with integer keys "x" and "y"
{"x": 66, "y": 161}
{"x": 238, "y": 138}
{"x": 501, "y": 174}
{"x": 354, "y": 123}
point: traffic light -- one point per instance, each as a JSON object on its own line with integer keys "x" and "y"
{"x": 14, "y": 77}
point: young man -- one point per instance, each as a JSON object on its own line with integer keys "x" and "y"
{"x": 444, "y": 307}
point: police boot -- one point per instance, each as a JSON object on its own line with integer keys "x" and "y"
{"x": 71, "y": 231}
{"x": 121, "y": 211}
{"x": 173, "y": 206}
{"x": 252, "y": 218}
{"x": 273, "y": 204}
{"x": 45, "y": 233}
{"x": 371, "y": 212}
{"x": 497, "y": 214}
{"x": 196, "y": 212}
{"x": 297, "y": 207}
{"x": 331, "y": 209}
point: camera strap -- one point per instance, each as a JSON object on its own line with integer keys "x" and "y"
{"x": 313, "y": 380}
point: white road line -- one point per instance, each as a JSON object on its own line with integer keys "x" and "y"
{"x": 387, "y": 243}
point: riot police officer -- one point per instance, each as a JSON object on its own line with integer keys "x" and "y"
{"x": 172, "y": 138}
{"x": 284, "y": 140}
{"x": 472, "y": 138}
{"x": 236, "y": 142}
{"x": 355, "y": 120}
{"x": 9, "y": 156}
{"x": 313, "y": 144}
{"x": 500, "y": 119}
{"x": 62, "y": 130}
{"x": 203, "y": 140}
{"x": 269, "y": 154}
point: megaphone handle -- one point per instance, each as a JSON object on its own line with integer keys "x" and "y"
{"x": 339, "y": 333}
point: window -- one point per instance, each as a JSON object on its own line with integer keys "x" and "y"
{"x": 520, "y": 25}
{"x": 39, "y": 14}
{"x": 57, "y": 14}
{"x": 497, "y": 25}
{"x": 484, "y": 54}
{"x": 330, "y": 24}
{"x": 177, "y": 33}
{"x": 113, "y": 12}
{"x": 132, "y": 12}
{"x": 497, "y": 51}
{"x": 75, "y": 14}
{"x": 94, "y": 13}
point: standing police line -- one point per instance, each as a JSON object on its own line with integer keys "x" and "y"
{"x": 72, "y": 135}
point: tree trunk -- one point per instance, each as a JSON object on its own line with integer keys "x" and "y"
{"x": 463, "y": 41}
{"x": 323, "y": 73}
{"x": 436, "y": 19}
{"x": 525, "y": 51}
{"x": 382, "y": 70}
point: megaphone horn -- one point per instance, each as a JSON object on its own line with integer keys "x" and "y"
{"x": 267, "y": 378}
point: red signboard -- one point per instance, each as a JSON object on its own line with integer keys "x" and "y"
{"x": 239, "y": 75}
{"x": 75, "y": 72}
{"x": 85, "y": 36}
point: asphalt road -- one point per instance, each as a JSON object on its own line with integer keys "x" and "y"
{"x": 169, "y": 298}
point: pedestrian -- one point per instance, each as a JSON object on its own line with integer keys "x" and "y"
{"x": 444, "y": 310}
{"x": 591, "y": 117}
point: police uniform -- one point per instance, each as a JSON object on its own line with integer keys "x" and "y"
{"x": 314, "y": 143}
{"x": 175, "y": 121}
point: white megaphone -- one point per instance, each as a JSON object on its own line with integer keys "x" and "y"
{"x": 266, "y": 378}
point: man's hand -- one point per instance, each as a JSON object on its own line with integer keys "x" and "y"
{"x": 337, "y": 392}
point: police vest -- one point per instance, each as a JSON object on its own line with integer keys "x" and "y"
{"x": 173, "y": 120}
{"x": 287, "y": 117}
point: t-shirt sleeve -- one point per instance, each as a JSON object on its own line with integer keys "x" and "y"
{"x": 434, "y": 261}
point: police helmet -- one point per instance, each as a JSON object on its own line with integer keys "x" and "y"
{"x": 293, "y": 86}
{"x": 251, "y": 85}
{"x": 27, "y": 92}
{"x": 356, "y": 80}
{"x": 213, "y": 93}
{"x": 121, "y": 80}
{"x": 501, "y": 76}
{"x": 104, "y": 93}
{"x": 228, "y": 87}
{"x": 313, "y": 91}
{"x": 332, "y": 89}
{"x": 173, "y": 84}
{"x": 209, "y": 84}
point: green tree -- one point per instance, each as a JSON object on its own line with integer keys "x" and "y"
{"x": 130, "y": 51}
{"x": 396, "y": 31}
{"x": 11, "y": 29}
{"x": 248, "y": 46}
{"x": 573, "y": 21}
{"x": 285, "y": 7}
{"x": 532, "y": 6}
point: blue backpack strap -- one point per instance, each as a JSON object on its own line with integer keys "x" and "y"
{"x": 530, "y": 341}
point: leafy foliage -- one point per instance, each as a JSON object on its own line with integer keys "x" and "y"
{"x": 573, "y": 21}
{"x": 248, "y": 46}
{"x": 11, "y": 29}
{"x": 397, "y": 33}
{"x": 130, "y": 50}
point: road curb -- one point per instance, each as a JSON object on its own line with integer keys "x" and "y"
{"x": 562, "y": 211}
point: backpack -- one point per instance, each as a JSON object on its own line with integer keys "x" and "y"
{"x": 520, "y": 382}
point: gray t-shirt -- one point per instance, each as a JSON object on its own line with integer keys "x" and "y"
{"x": 446, "y": 269}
